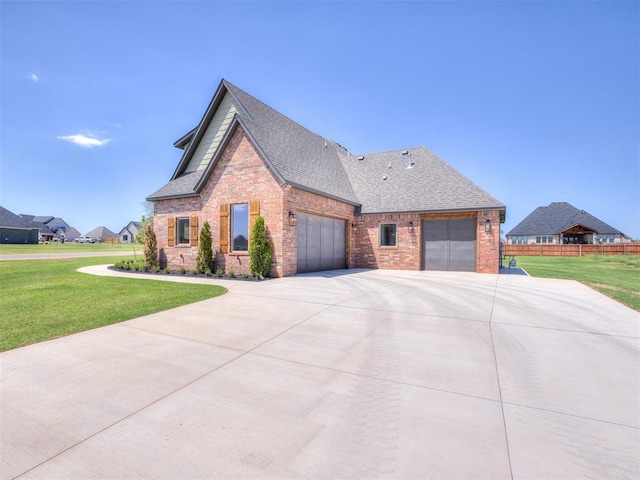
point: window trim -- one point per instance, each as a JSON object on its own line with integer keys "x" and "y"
{"x": 394, "y": 235}
{"x": 186, "y": 241}
{"x": 231, "y": 229}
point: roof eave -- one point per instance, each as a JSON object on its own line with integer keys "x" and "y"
{"x": 184, "y": 140}
{"x": 200, "y": 129}
{"x": 324, "y": 194}
{"x": 171, "y": 197}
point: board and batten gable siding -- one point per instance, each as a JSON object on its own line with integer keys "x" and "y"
{"x": 213, "y": 136}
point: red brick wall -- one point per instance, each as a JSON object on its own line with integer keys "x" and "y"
{"x": 367, "y": 252}
{"x": 174, "y": 257}
{"x": 240, "y": 176}
{"x": 488, "y": 243}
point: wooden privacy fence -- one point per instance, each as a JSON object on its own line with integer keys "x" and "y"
{"x": 572, "y": 250}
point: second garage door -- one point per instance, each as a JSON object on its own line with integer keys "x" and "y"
{"x": 321, "y": 243}
{"x": 450, "y": 244}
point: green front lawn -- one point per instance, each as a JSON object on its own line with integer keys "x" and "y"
{"x": 68, "y": 247}
{"x": 45, "y": 299}
{"x": 616, "y": 276}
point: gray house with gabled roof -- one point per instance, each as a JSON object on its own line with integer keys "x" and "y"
{"x": 16, "y": 230}
{"x": 562, "y": 223}
{"x": 324, "y": 207}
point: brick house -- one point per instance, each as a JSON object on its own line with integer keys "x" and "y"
{"x": 324, "y": 208}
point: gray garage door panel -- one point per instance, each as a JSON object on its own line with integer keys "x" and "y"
{"x": 450, "y": 245}
{"x": 321, "y": 243}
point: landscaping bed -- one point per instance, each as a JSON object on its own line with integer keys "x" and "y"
{"x": 140, "y": 266}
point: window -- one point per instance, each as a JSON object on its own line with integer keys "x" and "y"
{"x": 240, "y": 227}
{"x": 125, "y": 238}
{"x": 388, "y": 235}
{"x": 182, "y": 231}
{"x": 519, "y": 239}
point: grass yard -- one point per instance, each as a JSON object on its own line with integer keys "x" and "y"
{"x": 68, "y": 247}
{"x": 616, "y": 276}
{"x": 45, "y": 299}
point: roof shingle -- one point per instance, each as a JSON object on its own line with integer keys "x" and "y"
{"x": 557, "y": 217}
{"x": 309, "y": 161}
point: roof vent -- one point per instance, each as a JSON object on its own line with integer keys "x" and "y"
{"x": 405, "y": 152}
{"x": 361, "y": 157}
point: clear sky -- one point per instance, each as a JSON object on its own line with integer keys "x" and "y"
{"x": 535, "y": 101}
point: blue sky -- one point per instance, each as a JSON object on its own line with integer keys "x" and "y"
{"x": 535, "y": 101}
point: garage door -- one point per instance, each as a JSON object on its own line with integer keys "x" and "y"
{"x": 321, "y": 243}
{"x": 450, "y": 244}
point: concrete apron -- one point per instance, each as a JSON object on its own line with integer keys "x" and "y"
{"x": 354, "y": 373}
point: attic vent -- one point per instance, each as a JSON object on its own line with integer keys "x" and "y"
{"x": 405, "y": 152}
{"x": 361, "y": 157}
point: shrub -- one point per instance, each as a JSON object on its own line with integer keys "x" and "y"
{"x": 207, "y": 272}
{"x": 219, "y": 272}
{"x": 194, "y": 271}
{"x": 260, "y": 251}
{"x": 204, "y": 260}
{"x": 232, "y": 274}
{"x": 245, "y": 275}
{"x": 167, "y": 270}
{"x": 156, "y": 269}
{"x": 183, "y": 270}
{"x": 150, "y": 248}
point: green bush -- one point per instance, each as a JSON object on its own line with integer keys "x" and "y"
{"x": 219, "y": 272}
{"x": 183, "y": 270}
{"x": 167, "y": 270}
{"x": 207, "y": 272}
{"x": 232, "y": 274}
{"x": 204, "y": 260}
{"x": 260, "y": 251}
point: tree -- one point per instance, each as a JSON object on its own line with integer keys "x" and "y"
{"x": 204, "y": 260}
{"x": 150, "y": 247}
{"x": 260, "y": 251}
{"x": 144, "y": 221}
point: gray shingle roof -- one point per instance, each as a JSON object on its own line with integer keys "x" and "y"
{"x": 556, "y": 218}
{"x": 306, "y": 160}
{"x": 101, "y": 233}
{"x": 183, "y": 186}
{"x": 384, "y": 184}
{"x": 9, "y": 219}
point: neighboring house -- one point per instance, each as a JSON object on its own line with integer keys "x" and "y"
{"x": 70, "y": 233}
{"x": 44, "y": 233}
{"x": 52, "y": 227}
{"x": 15, "y": 229}
{"x": 562, "y": 223}
{"x": 128, "y": 233}
{"x": 101, "y": 234}
{"x": 324, "y": 208}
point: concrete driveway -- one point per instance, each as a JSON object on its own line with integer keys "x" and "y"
{"x": 349, "y": 374}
